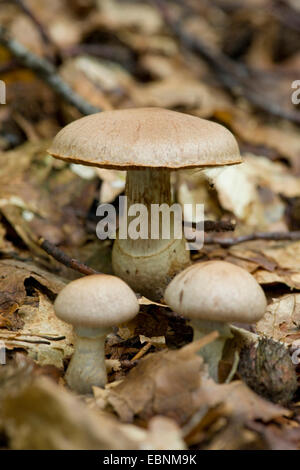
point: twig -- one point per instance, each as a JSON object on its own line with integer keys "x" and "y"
{"x": 209, "y": 225}
{"x": 46, "y": 71}
{"x": 127, "y": 364}
{"x": 141, "y": 352}
{"x": 233, "y": 75}
{"x": 34, "y": 19}
{"x": 234, "y": 367}
{"x": 63, "y": 258}
{"x": 104, "y": 51}
{"x": 292, "y": 236}
{"x": 66, "y": 260}
{"x": 214, "y": 225}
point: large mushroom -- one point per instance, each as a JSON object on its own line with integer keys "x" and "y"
{"x": 149, "y": 143}
{"x": 93, "y": 305}
{"x": 211, "y": 294}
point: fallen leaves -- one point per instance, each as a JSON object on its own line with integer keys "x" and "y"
{"x": 146, "y": 391}
{"x": 38, "y": 414}
{"x": 13, "y": 277}
{"x": 282, "y": 319}
{"x": 173, "y": 384}
{"x": 158, "y": 396}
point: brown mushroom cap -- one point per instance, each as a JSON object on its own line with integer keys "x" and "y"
{"x": 145, "y": 138}
{"x": 216, "y": 291}
{"x": 96, "y": 301}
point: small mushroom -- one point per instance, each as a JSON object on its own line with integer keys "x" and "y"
{"x": 93, "y": 305}
{"x": 149, "y": 143}
{"x": 211, "y": 294}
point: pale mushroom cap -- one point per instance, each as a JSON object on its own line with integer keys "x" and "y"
{"x": 216, "y": 291}
{"x": 96, "y": 301}
{"x": 145, "y": 137}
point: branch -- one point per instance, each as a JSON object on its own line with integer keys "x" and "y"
{"x": 47, "y": 72}
{"x": 214, "y": 225}
{"x": 209, "y": 225}
{"x": 225, "y": 242}
{"x": 34, "y": 19}
{"x": 104, "y": 51}
{"x": 234, "y": 76}
{"x": 64, "y": 259}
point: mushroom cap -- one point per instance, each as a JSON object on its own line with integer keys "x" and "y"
{"x": 216, "y": 291}
{"x": 96, "y": 301}
{"x": 145, "y": 138}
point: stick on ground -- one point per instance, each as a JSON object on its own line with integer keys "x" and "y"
{"x": 225, "y": 242}
{"x": 64, "y": 259}
{"x": 47, "y": 72}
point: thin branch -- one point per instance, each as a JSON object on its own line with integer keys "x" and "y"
{"x": 236, "y": 77}
{"x": 225, "y": 242}
{"x": 64, "y": 259}
{"x": 215, "y": 225}
{"x": 104, "y": 51}
{"x": 209, "y": 225}
{"x": 40, "y": 27}
{"x": 47, "y": 72}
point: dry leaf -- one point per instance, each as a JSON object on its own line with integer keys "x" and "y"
{"x": 13, "y": 291}
{"x": 173, "y": 384}
{"x": 179, "y": 91}
{"x": 282, "y": 319}
{"x": 41, "y": 415}
{"x": 161, "y": 384}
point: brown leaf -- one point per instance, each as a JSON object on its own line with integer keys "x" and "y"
{"x": 161, "y": 384}
{"x": 282, "y": 319}
{"x": 38, "y": 414}
{"x": 13, "y": 275}
{"x": 172, "y": 384}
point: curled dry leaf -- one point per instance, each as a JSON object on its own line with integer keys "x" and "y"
{"x": 282, "y": 137}
{"x": 43, "y": 336}
{"x": 272, "y": 175}
{"x": 173, "y": 384}
{"x": 13, "y": 290}
{"x": 242, "y": 402}
{"x": 276, "y": 262}
{"x": 286, "y": 255}
{"x": 161, "y": 384}
{"x": 282, "y": 319}
{"x": 252, "y": 191}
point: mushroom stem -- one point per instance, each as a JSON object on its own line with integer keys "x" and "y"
{"x": 148, "y": 186}
{"x": 149, "y": 262}
{"x": 87, "y": 366}
{"x": 212, "y": 353}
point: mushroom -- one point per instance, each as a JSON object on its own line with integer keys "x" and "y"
{"x": 149, "y": 143}
{"x": 211, "y": 294}
{"x": 93, "y": 305}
